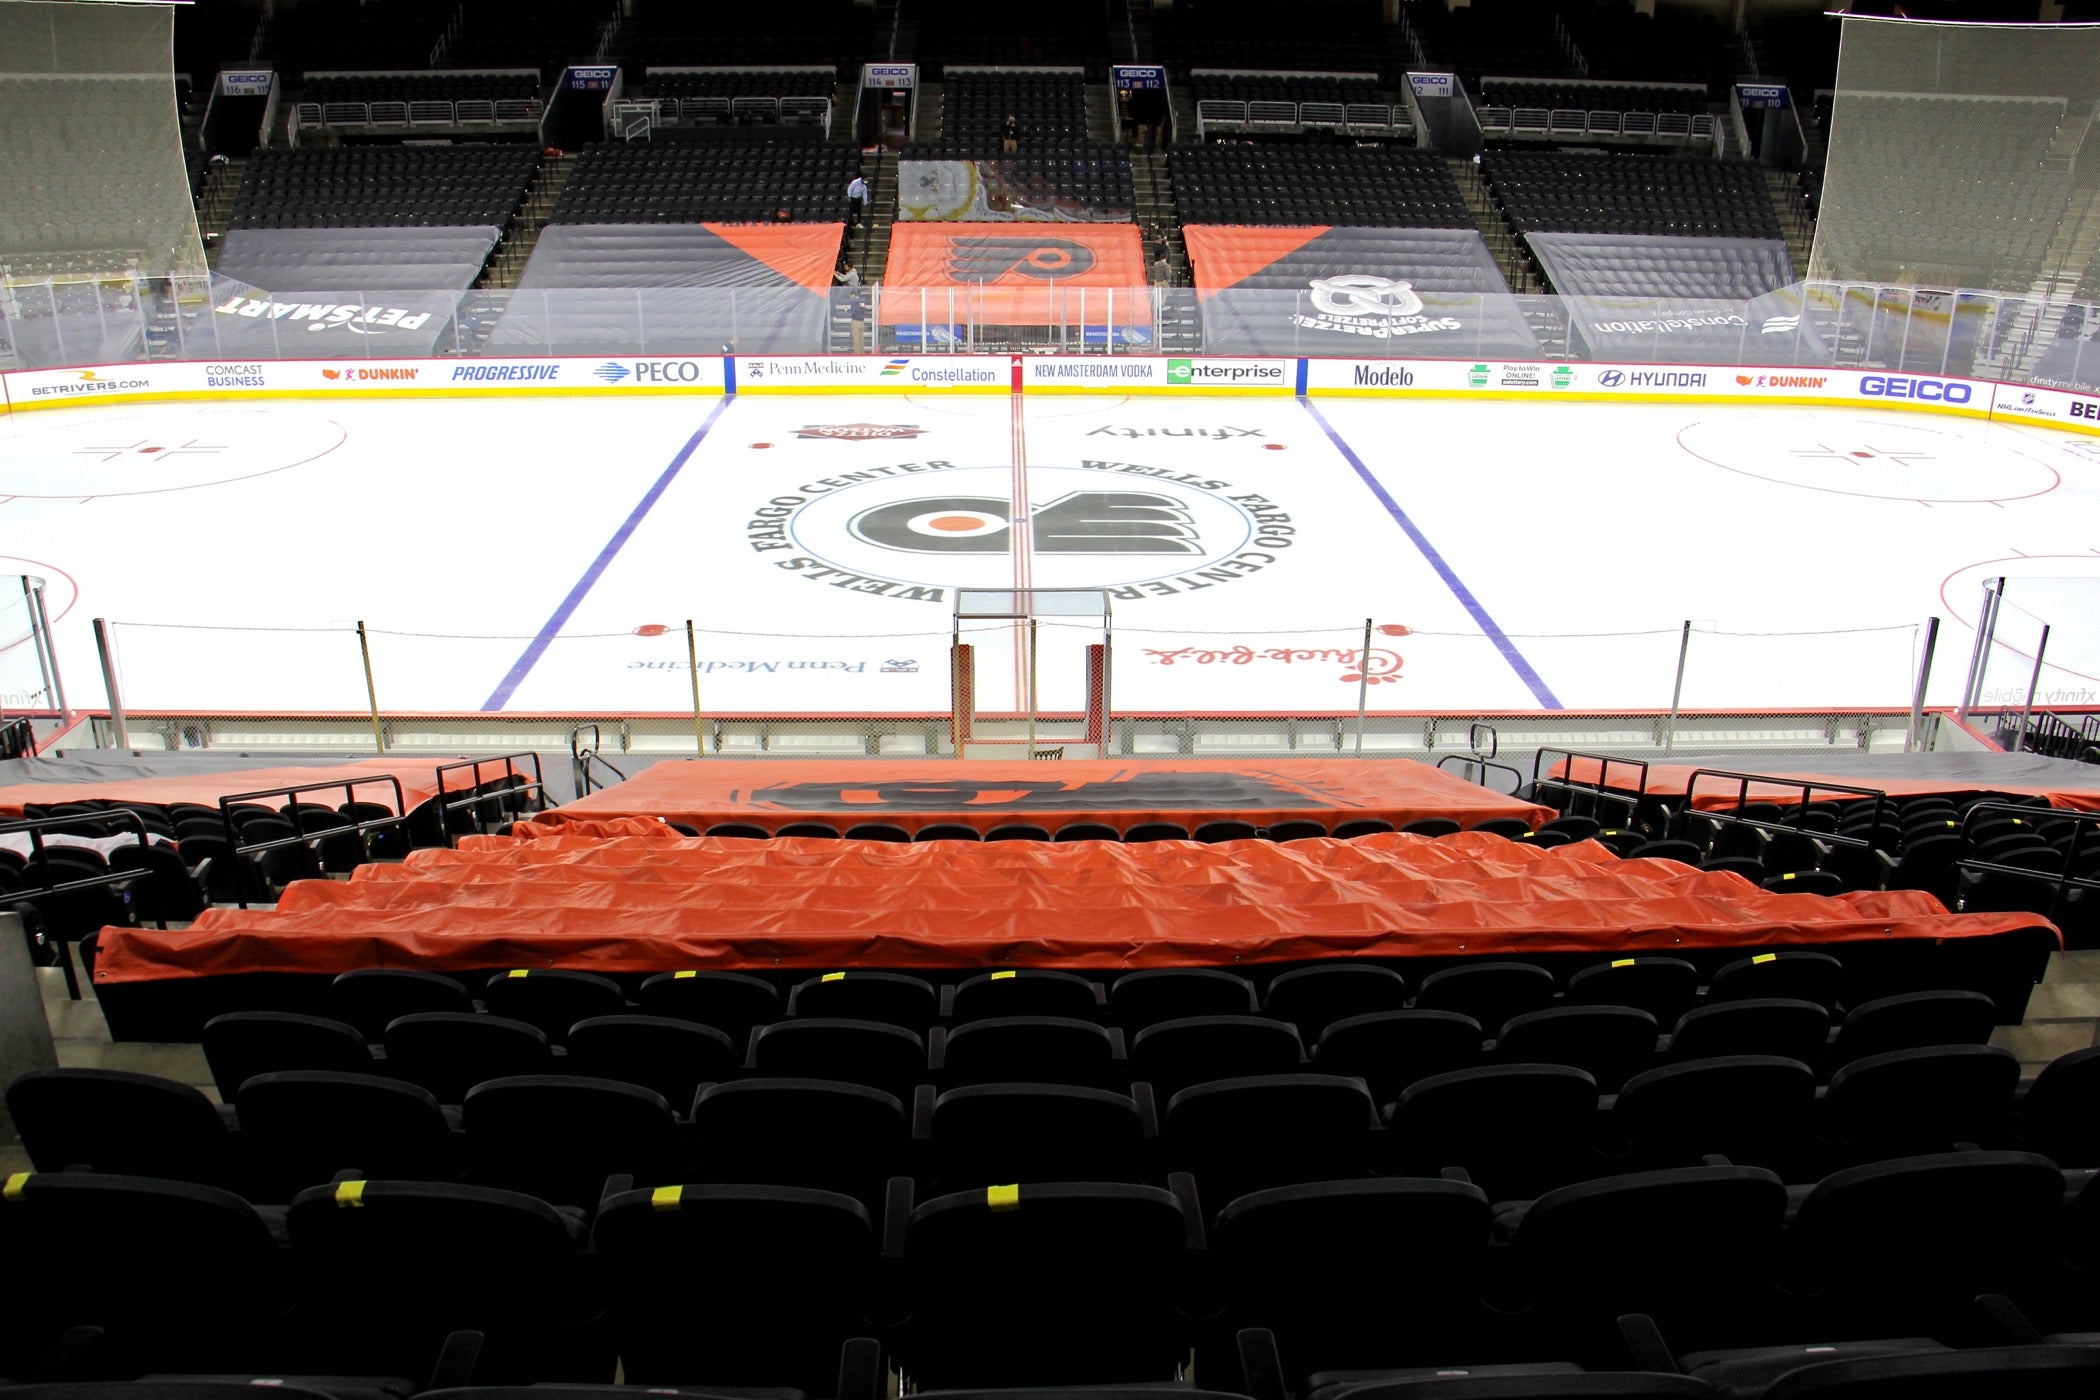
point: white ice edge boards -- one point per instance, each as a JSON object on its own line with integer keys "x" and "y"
{"x": 1045, "y": 374}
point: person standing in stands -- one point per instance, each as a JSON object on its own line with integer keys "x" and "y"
{"x": 1010, "y": 134}
{"x": 856, "y": 199}
{"x": 859, "y": 313}
{"x": 1162, "y": 270}
{"x": 847, "y": 274}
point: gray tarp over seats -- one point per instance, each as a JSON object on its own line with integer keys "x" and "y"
{"x": 248, "y": 323}
{"x": 356, "y": 259}
{"x": 673, "y": 289}
{"x": 1354, "y": 291}
{"x": 1681, "y": 300}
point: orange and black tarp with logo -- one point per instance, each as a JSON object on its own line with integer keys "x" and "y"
{"x": 1006, "y": 274}
{"x": 630, "y": 895}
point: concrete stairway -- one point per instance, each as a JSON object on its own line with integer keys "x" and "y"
{"x": 522, "y": 234}
{"x": 1509, "y": 255}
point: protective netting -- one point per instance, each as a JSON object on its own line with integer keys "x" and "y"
{"x": 90, "y": 143}
{"x": 1954, "y": 152}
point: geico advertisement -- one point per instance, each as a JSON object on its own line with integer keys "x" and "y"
{"x": 1122, "y": 374}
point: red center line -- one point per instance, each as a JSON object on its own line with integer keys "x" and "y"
{"x": 1022, "y": 535}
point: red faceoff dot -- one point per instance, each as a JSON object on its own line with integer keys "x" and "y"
{"x": 1273, "y": 446}
{"x": 761, "y": 446}
{"x": 955, "y": 522}
{"x": 651, "y": 629}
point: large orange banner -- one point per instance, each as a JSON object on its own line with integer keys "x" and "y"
{"x": 1001, "y": 274}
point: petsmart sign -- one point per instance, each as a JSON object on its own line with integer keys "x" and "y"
{"x": 1141, "y": 374}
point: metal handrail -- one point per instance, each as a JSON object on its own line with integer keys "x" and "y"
{"x": 347, "y": 786}
{"x": 537, "y": 787}
{"x": 2065, "y": 880}
{"x": 1598, "y": 792}
{"x": 1805, "y": 786}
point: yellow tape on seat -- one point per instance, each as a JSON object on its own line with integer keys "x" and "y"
{"x": 351, "y": 1195}
{"x": 1003, "y": 976}
{"x": 1764, "y": 957}
{"x": 667, "y": 1198}
{"x": 681, "y": 976}
{"x": 1622, "y": 962}
{"x": 1003, "y": 1198}
{"x": 833, "y": 977}
{"x": 13, "y": 1190}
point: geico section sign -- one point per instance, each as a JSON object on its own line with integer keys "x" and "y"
{"x": 872, "y": 374}
{"x": 1156, "y": 374}
{"x": 2075, "y": 412}
{"x": 1920, "y": 388}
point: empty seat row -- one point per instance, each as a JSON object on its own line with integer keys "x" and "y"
{"x": 845, "y": 1104}
{"x": 1673, "y": 991}
{"x": 1072, "y": 1282}
{"x": 1386, "y": 187}
{"x": 691, "y": 182}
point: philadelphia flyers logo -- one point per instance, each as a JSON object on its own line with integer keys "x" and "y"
{"x": 989, "y": 259}
{"x": 1084, "y": 522}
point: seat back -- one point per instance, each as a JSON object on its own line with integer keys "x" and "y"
{"x": 448, "y": 1052}
{"x": 299, "y": 1128}
{"x": 670, "y": 1056}
{"x": 558, "y": 1137}
{"x": 552, "y": 998}
{"x": 121, "y": 1123}
{"x": 242, "y": 1044}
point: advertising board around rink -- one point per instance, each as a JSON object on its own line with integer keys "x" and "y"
{"x": 1589, "y": 382}
{"x": 2076, "y": 413}
{"x": 198, "y": 380}
{"x": 1158, "y": 374}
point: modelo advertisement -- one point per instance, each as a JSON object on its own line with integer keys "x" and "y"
{"x": 1156, "y": 374}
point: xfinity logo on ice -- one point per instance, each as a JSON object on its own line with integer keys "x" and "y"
{"x": 1220, "y": 434}
{"x": 1899, "y": 386}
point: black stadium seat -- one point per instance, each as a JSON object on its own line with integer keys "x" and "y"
{"x": 800, "y": 1132}
{"x": 670, "y": 1056}
{"x": 552, "y": 999}
{"x": 449, "y": 1052}
{"x": 558, "y": 1137}
{"x": 243, "y": 1044}
{"x": 676, "y": 1316}
{"x": 300, "y": 1128}
{"x": 117, "y": 1122}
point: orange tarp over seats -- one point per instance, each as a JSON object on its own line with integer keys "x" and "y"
{"x": 1002, "y": 274}
{"x": 986, "y": 793}
{"x": 418, "y": 785}
{"x": 1671, "y": 780}
{"x": 630, "y": 896}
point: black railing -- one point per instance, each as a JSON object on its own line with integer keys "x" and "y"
{"x": 507, "y": 803}
{"x": 2085, "y": 836}
{"x": 35, "y": 827}
{"x": 583, "y": 757}
{"x": 296, "y": 812}
{"x": 1598, "y": 793}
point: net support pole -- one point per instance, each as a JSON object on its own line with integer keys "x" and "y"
{"x": 46, "y": 647}
{"x": 1986, "y": 628}
{"x": 2034, "y": 681}
{"x": 692, "y": 666}
{"x": 1913, "y": 736}
{"x": 1684, "y": 647}
{"x": 1363, "y": 687}
{"x": 120, "y": 729}
{"x": 364, "y": 647}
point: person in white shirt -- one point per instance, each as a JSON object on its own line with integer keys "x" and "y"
{"x": 857, "y": 200}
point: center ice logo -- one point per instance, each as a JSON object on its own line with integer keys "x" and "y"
{"x": 1085, "y": 522}
{"x": 912, "y": 531}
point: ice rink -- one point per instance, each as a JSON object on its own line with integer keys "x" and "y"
{"x": 544, "y": 555}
